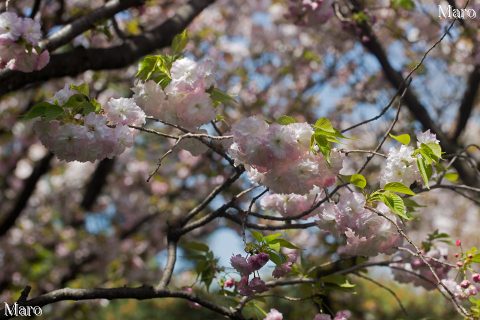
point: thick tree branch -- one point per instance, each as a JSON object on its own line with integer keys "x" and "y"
{"x": 96, "y": 183}
{"x": 29, "y": 185}
{"x": 82, "y": 24}
{"x": 468, "y": 102}
{"x": 80, "y": 59}
{"x": 138, "y": 293}
{"x": 418, "y": 110}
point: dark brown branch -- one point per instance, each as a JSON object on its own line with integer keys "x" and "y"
{"x": 468, "y": 102}
{"x": 82, "y": 24}
{"x": 29, "y": 185}
{"x": 96, "y": 183}
{"x": 35, "y": 8}
{"x": 138, "y": 293}
{"x": 80, "y": 59}
{"x": 373, "y": 45}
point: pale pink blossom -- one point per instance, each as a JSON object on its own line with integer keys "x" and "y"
{"x": 274, "y": 315}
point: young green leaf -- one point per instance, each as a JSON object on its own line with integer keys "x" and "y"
{"x": 180, "y": 42}
{"x": 197, "y": 246}
{"x": 422, "y": 167}
{"x": 284, "y": 120}
{"x": 396, "y": 204}
{"x": 285, "y": 244}
{"x": 271, "y": 237}
{"x": 399, "y": 188}
{"x": 451, "y": 176}
{"x": 324, "y": 124}
{"x": 403, "y": 138}
{"x": 82, "y": 88}
{"x": 257, "y": 236}
{"x": 45, "y": 110}
{"x": 358, "y": 180}
{"x": 219, "y": 97}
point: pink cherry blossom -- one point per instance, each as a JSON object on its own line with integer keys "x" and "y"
{"x": 124, "y": 111}
{"x": 273, "y": 315}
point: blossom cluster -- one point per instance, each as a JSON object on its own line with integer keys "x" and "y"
{"x": 94, "y": 136}
{"x": 366, "y": 232}
{"x": 465, "y": 289}
{"x": 19, "y": 38}
{"x": 418, "y": 272}
{"x": 274, "y": 314}
{"x": 185, "y": 100}
{"x": 401, "y": 163}
{"x": 340, "y": 315}
{"x": 247, "y": 266}
{"x": 290, "y": 205}
{"x": 309, "y": 12}
{"x": 279, "y": 156}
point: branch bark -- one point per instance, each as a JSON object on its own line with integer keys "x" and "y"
{"x": 468, "y": 102}
{"x": 29, "y": 185}
{"x": 80, "y": 59}
{"x": 138, "y": 293}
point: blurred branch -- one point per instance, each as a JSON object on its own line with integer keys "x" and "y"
{"x": 29, "y": 185}
{"x": 171, "y": 259}
{"x": 35, "y": 8}
{"x": 468, "y": 102}
{"x": 418, "y": 110}
{"x": 82, "y": 24}
{"x": 79, "y": 60}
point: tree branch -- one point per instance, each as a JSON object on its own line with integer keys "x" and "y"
{"x": 80, "y": 59}
{"x": 138, "y": 293}
{"x": 29, "y": 185}
{"x": 468, "y": 102}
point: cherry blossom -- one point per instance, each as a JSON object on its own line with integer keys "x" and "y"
{"x": 264, "y": 149}
{"x": 366, "y": 232}
{"x": 19, "y": 38}
{"x": 273, "y": 315}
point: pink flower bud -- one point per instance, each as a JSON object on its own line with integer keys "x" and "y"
{"x": 459, "y": 264}
{"x": 458, "y": 243}
{"x": 476, "y": 277}
{"x": 465, "y": 284}
{"x": 229, "y": 283}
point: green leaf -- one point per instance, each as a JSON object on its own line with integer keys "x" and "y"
{"x": 97, "y": 105}
{"x": 395, "y": 203}
{"x": 358, "y": 180}
{"x": 476, "y": 258}
{"x": 45, "y": 110}
{"x": 403, "y": 138}
{"x": 399, "y": 188}
{"x": 197, "y": 246}
{"x": 436, "y": 149}
{"x": 325, "y": 125}
{"x": 219, "y": 97}
{"x": 404, "y": 4}
{"x": 180, "y": 42}
{"x": 284, "y": 120}
{"x": 257, "y": 235}
{"x": 80, "y": 103}
{"x": 276, "y": 257}
{"x": 145, "y": 66}
{"x": 285, "y": 244}
{"x": 324, "y": 146}
{"x": 275, "y": 246}
{"x": 422, "y": 167}
{"x": 156, "y": 68}
{"x": 82, "y": 88}
{"x": 271, "y": 237}
{"x": 451, "y": 176}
